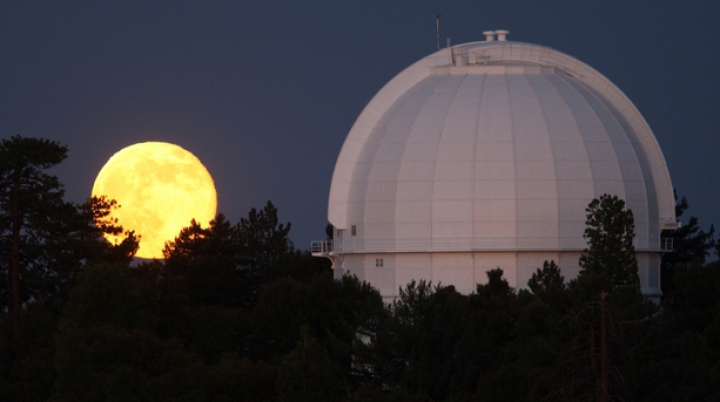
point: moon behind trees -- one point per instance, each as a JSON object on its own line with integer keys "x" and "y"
{"x": 160, "y": 188}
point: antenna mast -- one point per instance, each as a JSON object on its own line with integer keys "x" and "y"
{"x": 437, "y": 30}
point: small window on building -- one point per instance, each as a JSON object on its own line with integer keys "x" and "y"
{"x": 353, "y": 230}
{"x": 378, "y": 262}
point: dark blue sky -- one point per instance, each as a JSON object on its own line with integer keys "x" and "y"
{"x": 264, "y": 92}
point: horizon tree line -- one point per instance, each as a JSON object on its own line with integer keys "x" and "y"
{"x": 235, "y": 312}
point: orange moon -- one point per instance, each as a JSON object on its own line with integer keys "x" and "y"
{"x": 160, "y": 188}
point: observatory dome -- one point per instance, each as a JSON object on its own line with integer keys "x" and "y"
{"x": 486, "y": 155}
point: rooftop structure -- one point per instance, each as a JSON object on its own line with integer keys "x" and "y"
{"x": 485, "y": 155}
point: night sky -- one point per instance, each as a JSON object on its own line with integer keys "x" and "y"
{"x": 265, "y": 92}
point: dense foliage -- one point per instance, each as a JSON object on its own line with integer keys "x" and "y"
{"x": 235, "y": 312}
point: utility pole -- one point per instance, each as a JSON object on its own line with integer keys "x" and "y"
{"x": 437, "y": 30}
{"x": 604, "y": 363}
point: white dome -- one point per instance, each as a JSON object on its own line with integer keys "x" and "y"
{"x": 486, "y": 155}
{"x": 502, "y": 149}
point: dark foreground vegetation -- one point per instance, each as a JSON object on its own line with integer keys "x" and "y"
{"x": 235, "y": 313}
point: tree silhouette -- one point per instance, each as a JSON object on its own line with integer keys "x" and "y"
{"x": 44, "y": 240}
{"x": 29, "y": 200}
{"x": 590, "y": 371}
{"x": 609, "y": 263}
{"x": 689, "y": 243}
{"x": 547, "y": 279}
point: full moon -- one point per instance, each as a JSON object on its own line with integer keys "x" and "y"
{"x": 160, "y": 188}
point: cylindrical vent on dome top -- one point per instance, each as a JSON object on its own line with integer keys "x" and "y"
{"x": 502, "y": 35}
{"x": 489, "y": 36}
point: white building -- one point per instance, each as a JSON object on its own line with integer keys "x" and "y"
{"x": 485, "y": 155}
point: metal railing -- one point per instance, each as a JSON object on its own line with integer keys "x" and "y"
{"x": 321, "y": 246}
{"x": 352, "y": 245}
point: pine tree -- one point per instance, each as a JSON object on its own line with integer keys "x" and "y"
{"x": 608, "y": 307}
{"x": 689, "y": 243}
{"x": 610, "y": 256}
{"x": 29, "y": 200}
{"x": 264, "y": 237}
{"x": 44, "y": 240}
{"x": 547, "y": 279}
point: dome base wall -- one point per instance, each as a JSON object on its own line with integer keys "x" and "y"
{"x": 465, "y": 270}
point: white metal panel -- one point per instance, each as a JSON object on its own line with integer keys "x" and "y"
{"x": 457, "y": 230}
{"x": 425, "y": 134}
{"x": 434, "y": 110}
{"x": 537, "y": 210}
{"x": 495, "y": 210}
{"x": 389, "y": 152}
{"x": 573, "y": 210}
{"x": 383, "y": 276}
{"x": 414, "y": 190}
{"x": 536, "y": 150}
{"x": 412, "y": 266}
{"x": 495, "y": 134}
{"x": 454, "y": 170}
{"x": 537, "y": 189}
{"x": 460, "y": 133}
{"x": 356, "y": 212}
{"x": 625, "y": 152}
{"x": 505, "y": 231}
{"x": 415, "y": 230}
{"x": 396, "y": 135}
{"x": 558, "y": 117}
{"x": 495, "y": 170}
{"x": 529, "y": 118}
{"x": 606, "y": 170}
{"x": 523, "y": 101}
{"x": 357, "y": 191}
{"x": 456, "y": 151}
{"x": 452, "y": 268}
{"x": 594, "y": 134}
{"x": 571, "y": 229}
{"x": 602, "y": 151}
{"x": 576, "y": 189}
{"x": 531, "y": 132}
{"x": 495, "y": 189}
{"x": 584, "y": 116}
{"x": 492, "y": 151}
{"x": 354, "y": 264}
{"x": 381, "y": 191}
{"x": 367, "y": 154}
{"x": 402, "y": 120}
{"x": 538, "y": 234}
{"x": 495, "y": 115}
{"x": 361, "y": 173}
{"x": 635, "y": 190}
{"x": 612, "y": 187}
{"x": 413, "y": 211}
{"x": 453, "y": 190}
{"x": 380, "y": 212}
{"x": 535, "y": 170}
{"x": 420, "y": 151}
{"x": 383, "y": 171}
{"x": 452, "y": 211}
{"x": 568, "y": 133}
{"x": 378, "y": 230}
{"x": 632, "y": 172}
{"x": 416, "y": 171}
{"x": 573, "y": 170}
